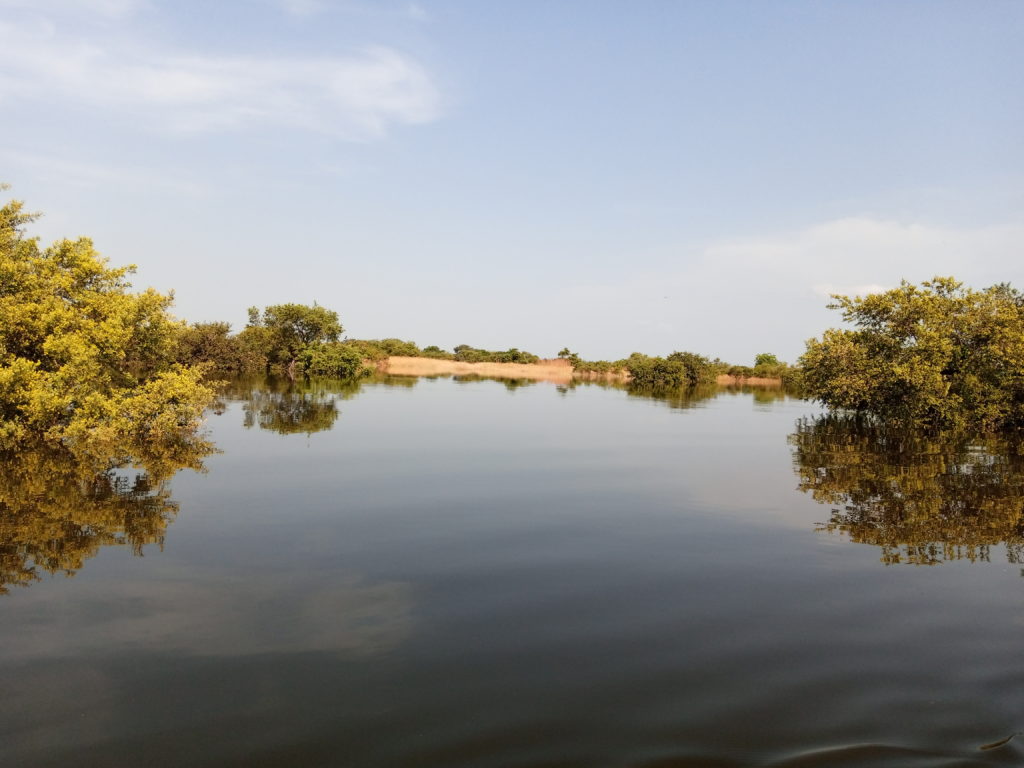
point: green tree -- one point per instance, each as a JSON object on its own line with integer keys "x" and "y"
{"x": 81, "y": 356}
{"x": 766, "y": 358}
{"x": 572, "y": 357}
{"x": 293, "y": 327}
{"x": 938, "y": 354}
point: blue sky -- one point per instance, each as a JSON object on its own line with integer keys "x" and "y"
{"x": 615, "y": 177}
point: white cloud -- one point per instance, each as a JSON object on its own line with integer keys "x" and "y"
{"x": 355, "y": 97}
{"x": 736, "y": 297}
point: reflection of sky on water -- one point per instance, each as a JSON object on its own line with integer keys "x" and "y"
{"x": 456, "y": 572}
{"x": 246, "y": 615}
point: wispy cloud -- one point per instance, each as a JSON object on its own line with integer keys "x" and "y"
{"x": 303, "y": 8}
{"x": 110, "y": 9}
{"x": 355, "y": 97}
{"x": 53, "y": 169}
{"x": 411, "y": 11}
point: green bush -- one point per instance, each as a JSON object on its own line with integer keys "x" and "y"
{"x": 367, "y": 349}
{"x": 467, "y": 354}
{"x": 332, "y": 360}
{"x": 680, "y": 369}
{"x": 436, "y": 353}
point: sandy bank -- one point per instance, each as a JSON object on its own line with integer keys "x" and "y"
{"x": 549, "y": 370}
{"x": 558, "y": 371}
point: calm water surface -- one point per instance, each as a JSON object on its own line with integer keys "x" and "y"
{"x": 442, "y": 573}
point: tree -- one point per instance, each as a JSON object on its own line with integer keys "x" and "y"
{"x": 766, "y": 358}
{"x": 207, "y": 343}
{"x": 937, "y": 354}
{"x": 293, "y": 327}
{"x": 568, "y": 354}
{"x": 82, "y": 357}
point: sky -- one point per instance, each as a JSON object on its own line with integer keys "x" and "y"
{"x": 612, "y": 177}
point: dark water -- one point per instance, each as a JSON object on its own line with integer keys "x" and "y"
{"x": 443, "y": 573}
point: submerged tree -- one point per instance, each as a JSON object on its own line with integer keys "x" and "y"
{"x": 680, "y": 369}
{"x": 922, "y": 498}
{"x": 937, "y": 354}
{"x": 81, "y": 356}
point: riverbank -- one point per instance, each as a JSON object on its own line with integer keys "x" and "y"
{"x": 557, "y": 371}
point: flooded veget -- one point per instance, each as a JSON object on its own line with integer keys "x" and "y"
{"x": 444, "y": 572}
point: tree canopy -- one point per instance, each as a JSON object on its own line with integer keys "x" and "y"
{"x": 293, "y": 328}
{"x": 938, "y": 354}
{"x": 81, "y": 356}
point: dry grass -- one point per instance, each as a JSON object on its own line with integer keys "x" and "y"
{"x": 558, "y": 371}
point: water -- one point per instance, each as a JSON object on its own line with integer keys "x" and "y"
{"x": 442, "y": 573}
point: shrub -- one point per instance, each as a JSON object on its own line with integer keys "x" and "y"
{"x": 680, "y": 369}
{"x": 332, "y": 360}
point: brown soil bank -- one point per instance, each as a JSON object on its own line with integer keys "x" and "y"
{"x": 558, "y": 371}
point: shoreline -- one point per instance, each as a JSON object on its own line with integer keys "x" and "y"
{"x": 556, "y": 371}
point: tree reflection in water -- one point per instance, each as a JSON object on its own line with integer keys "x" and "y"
{"x": 676, "y": 398}
{"x": 58, "y": 506}
{"x": 922, "y": 498}
{"x": 287, "y": 407}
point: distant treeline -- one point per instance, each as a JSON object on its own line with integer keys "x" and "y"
{"x": 295, "y": 339}
{"x": 380, "y": 349}
{"x": 682, "y": 369}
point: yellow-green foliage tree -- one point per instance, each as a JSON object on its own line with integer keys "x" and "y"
{"x": 81, "y": 356}
{"x": 938, "y": 354}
